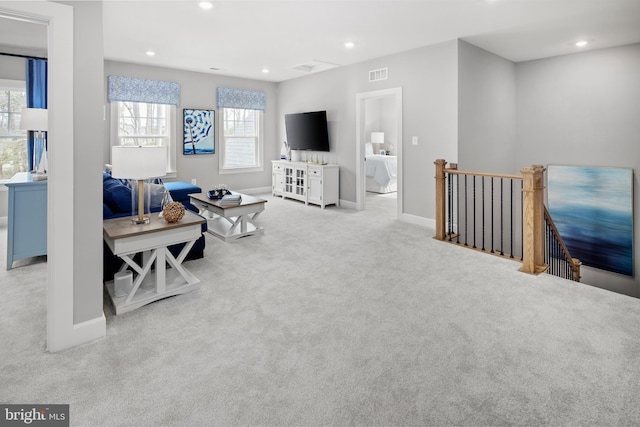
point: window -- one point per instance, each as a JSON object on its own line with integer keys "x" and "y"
{"x": 13, "y": 141}
{"x": 241, "y": 146}
{"x": 139, "y": 123}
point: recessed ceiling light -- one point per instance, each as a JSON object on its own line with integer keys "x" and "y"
{"x": 349, "y": 45}
{"x": 150, "y": 53}
{"x": 582, "y": 43}
{"x": 265, "y": 70}
{"x": 206, "y": 5}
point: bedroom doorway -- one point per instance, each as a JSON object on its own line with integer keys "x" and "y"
{"x": 379, "y": 127}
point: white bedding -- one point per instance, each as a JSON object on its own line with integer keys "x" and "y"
{"x": 382, "y": 169}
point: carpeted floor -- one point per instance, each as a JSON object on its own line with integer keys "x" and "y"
{"x": 338, "y": 317}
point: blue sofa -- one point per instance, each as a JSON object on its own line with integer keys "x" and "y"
{"x": 116, "y": 203}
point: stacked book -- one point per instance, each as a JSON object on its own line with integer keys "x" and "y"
{"x": 231, "y": 199}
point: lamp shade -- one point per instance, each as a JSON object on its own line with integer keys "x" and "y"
{"x": 377, "y": 137}
{"x": 137, "y": 162}
{"x": 34, "y": 119}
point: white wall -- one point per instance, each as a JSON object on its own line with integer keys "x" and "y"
{"x": 198, "y": 90}
{"x": 380, "y": 116}
{"x": 11, "y": 68}
{"x": 486, "y": 112}
{"x": 584, "y": 109}
{"x": 428, "y": 77}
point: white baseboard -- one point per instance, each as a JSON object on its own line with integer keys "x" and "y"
{"x": 80, "y": 333}
{"x": 253, "y": 191}
{"x": 418, "y": 220}
{"x": 348, "y": 204}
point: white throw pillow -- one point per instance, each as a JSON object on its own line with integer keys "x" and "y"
{"x": 368, "y": 149}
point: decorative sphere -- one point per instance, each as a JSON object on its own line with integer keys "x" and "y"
{"x": 173, "y": 212}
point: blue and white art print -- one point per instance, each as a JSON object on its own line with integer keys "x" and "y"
{"x": 592, "y": 208}
{"x": 199, "y": 131}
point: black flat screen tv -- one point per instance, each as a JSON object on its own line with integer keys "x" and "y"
{"x": 307, "y": 131}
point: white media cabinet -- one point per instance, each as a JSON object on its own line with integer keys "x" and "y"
{"x": 308, "y": 182}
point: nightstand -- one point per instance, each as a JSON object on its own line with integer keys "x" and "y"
{"x": 27, "y": 218}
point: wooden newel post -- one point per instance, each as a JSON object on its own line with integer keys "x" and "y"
{"x": 440, "y": 199}
{"x": 575, "y": 266}
{"x": 533, "y": 220}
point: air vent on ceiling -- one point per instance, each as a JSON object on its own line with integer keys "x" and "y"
{"x": 314, "y": 66}
{"x": 379, "y": 74}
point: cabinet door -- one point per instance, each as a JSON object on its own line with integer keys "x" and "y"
{"x": 277, "y": 182}
{"x": 301, "y": 182}
{"x": 289, "y": 178}
{"x": 277, "y": 179}
{"x": 315, "y": 190}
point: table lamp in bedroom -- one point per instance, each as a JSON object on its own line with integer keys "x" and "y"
{"x": 377, "y": 138}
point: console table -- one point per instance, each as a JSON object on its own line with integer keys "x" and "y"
{"x": 27, "y": 218}
{"x": 308, "y": 182}
{"x": 126, "y": 240}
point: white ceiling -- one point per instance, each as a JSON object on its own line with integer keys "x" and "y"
{"x": 240, "y": 38}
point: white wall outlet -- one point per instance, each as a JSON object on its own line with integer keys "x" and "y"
{"x": 193, "y": 181}
{"x": 414, "y": 140}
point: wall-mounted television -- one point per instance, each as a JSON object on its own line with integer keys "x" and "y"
{"x": 307, "y": 131}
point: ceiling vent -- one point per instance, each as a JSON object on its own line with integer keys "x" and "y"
{"x": 379, "y": 74}
{"x": 314, "y": 66}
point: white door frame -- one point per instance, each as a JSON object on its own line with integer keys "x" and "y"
{"x": 62, "y": 332}
{"x": 396, "y": 93}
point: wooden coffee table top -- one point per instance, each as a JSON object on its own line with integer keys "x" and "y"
{"x": 246, "y": 200}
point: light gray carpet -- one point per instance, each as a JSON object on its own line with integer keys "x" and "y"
{"x": 337, "y": 317}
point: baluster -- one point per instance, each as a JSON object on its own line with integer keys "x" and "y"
{"x": 474, "y": 211}
{"x": 501, "y": 216}
{"x": 450, "y": 205}
{"x": 483, "y": 213}
{"x": 458, "y": 206}
{"x": 492, "y": 209}
{"x": 546, "y": 243}
{"x": 521, "y": 224}
{"x": 466, "y": 209}
{"x": 511, "y": 230}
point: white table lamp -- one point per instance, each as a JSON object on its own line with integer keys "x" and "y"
{"x": 139, "y": 163}
{"x": 377, "y": 137}
{"x": 37, "y": 120}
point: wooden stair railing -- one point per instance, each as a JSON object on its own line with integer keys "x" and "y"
{"x": 557, "y": 257}
{"x": 505, "y": 219}
{"x": 479, "y": 210}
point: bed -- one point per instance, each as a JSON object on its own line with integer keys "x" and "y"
{"x": 382, "y": 173}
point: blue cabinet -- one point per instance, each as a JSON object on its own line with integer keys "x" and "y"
{"x": 27, "y": 218}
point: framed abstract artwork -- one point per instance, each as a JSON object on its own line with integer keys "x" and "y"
{"x": 198, "y": 131}
{"x": 592, "y": 208}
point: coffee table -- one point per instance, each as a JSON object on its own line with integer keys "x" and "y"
{"x": 230, "y": 222}
{"x": 152, "y": 240}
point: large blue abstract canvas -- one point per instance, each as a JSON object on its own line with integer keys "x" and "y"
{"x": 199, "y": 126}
{"x": 593, "y": 210}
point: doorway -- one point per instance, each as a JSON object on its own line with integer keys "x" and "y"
{"x": 378, "y": 112}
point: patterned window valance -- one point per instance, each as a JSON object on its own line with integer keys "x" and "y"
{"x": 241, "y": 98}
{"x": 142, "y": 90}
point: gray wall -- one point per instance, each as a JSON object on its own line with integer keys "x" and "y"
{"x": 87, "y": 184}
{"x": 198, "y": 90}
{"x": 486, "y": 111}
{"x": 584, "y": 109}
{"x": 428, "y": 77}
{"x": 13, "y": 68}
